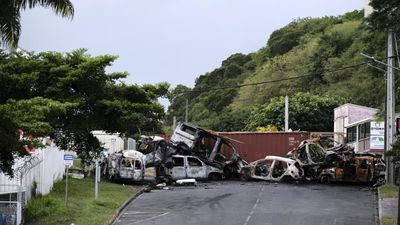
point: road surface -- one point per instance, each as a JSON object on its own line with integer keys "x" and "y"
{"x": 253, "y": 203}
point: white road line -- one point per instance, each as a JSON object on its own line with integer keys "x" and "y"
{"x": 135, "y": 213}
{"x": 254, "y": 206}
{"x": 147, "y": 219}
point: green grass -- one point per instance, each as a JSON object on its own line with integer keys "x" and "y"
{"x": 389, "y": 220}
{"x": 388, "y": 191}
{"x": 82, "y": 208}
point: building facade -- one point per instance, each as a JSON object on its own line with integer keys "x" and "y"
{"x": 359, "y": 128}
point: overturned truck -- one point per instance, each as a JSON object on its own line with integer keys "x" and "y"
{"x": 214, "y": 153}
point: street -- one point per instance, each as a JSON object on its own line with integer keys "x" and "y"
{"x": 253, "y": 203}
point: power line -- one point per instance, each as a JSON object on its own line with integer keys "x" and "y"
{"x": 277, "y": 80}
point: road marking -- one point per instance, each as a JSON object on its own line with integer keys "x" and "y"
{"x": 147, "y": 219}
{"x": 254, "y": 206}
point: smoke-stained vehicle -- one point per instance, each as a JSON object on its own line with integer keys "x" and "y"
{"x": 363, "y": 169}
{"x": 213, "y": 149}
{"x": 128, "y": 165}
{"x": 191, "y": 167}
{"x": 272, "y": 168}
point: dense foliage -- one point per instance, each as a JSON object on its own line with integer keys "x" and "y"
{"x": 306, "y": 112}
{"x": 10, "y": 16}
{"x": 320, "y": 56}
{"x": 66, "y": 96}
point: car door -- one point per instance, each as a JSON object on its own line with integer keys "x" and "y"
{"x": 362, "y": 174}
{"x": 195, "y": 168}
{"x": 178, "y": 171}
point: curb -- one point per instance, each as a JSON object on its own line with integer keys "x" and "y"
{"x": 122, "y": 208}
{"x": 379, "y": 208}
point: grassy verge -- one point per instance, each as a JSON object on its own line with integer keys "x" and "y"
{"x": 82, "y": 208}
{"x": 388, "y": 191}
{"x": 389, "y": 220}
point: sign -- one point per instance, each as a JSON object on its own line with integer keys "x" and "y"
{"x": 68, "y": 160}
{"x": 377, "y": 139}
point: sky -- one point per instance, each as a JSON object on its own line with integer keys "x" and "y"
{"x": 169, "y": 40}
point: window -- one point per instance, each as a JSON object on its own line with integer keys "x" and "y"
{"x": 368, "y": 130}
{"x": 178, "y": 161}
{"x": 138, "y": 164}
{"x": 189, "y": 130}
{"x": 194, "y": 162}
{"x": 317, "y": 154}
{"x": 351, "y": 134}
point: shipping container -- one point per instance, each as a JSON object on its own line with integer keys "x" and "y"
{"x": 256, "y": 145}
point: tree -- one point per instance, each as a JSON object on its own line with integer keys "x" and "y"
{"x": 177, "y": 97}
{"x": 385, "y": 16}
{"x": 10, "y": 15}
{"x": 66, "y": 96}
{"x": 306, "y": 112}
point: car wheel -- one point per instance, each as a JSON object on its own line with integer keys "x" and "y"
{"x": 214, "y": 176}
{"x": 326, "y": 179}
{"x": 379, "y": 181}
{"x": 245, "y": 175}
{"x": 287, "y": 179}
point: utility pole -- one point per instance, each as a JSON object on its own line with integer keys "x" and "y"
{"x": 286, "y": 113}
{"x": 186, "y": 109}
{"x": 390, "y": 107}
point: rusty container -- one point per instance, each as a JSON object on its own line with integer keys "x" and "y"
{"x": 256, "y": 145}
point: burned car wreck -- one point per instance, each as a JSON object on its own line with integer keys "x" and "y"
{"x": 127, "y": 165}
{"x": 213, "y": 152}
{"x": 339, "y": 163}
{"x": 272, "y": 168}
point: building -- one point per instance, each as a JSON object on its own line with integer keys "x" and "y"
{"x": 359, "y": 128}
{"x": 111, "y": 142}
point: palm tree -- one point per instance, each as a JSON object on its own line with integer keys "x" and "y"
{"x": 10, "y": 15}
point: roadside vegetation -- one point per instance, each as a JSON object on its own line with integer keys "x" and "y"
{"x": 388, "y": 191}
{"x": 82, "y": 207}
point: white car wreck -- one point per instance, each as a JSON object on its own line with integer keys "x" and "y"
{"x": 126, "y": 166}
{"x": 191, "y": 167}
{"x": 272, "y": 168}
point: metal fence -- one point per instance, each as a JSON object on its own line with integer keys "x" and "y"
{"x": 33, "y": 174}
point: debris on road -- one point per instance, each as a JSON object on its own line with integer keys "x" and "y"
{"x": 186, "y": 182}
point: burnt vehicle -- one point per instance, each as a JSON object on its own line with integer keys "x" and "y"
{"x": 311, "y": 156}
{"x": 363, "y": 169}
{"x": 128, "y": 165}
{"x": 272, "y": 168}
{"x": 184, "y": 167}
{"x": 213, "y": 149}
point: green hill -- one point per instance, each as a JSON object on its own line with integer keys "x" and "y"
{"x": 320, "y": 56}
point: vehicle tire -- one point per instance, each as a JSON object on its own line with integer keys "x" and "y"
{"x": 379, "y": 181}
{"x": 287, "y": 179}
{"x": 230, "y": 171}
{"x": 326, "y": 179}
{"x": 214, "y": 176}
{"x": 245, "y": 175}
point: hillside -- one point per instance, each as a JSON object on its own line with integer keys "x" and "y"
{"x": 320, "y": 56}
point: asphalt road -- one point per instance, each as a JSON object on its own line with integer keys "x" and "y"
{"x": 253, "y": 203}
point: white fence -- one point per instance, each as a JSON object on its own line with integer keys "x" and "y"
{"x": 33, "y": 174}
{"x": 39, "y": 171}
